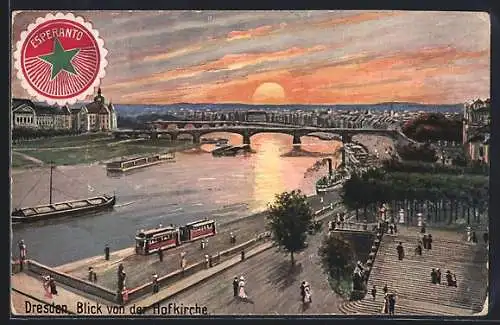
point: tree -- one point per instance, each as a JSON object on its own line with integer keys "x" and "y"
{"x": 290, "y": 217}
{"x": 338, "y": 259}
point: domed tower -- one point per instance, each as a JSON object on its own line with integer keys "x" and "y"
{"x": 99, "y": 98}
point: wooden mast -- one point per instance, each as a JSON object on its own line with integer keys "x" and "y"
{"x": 50, "y": 189}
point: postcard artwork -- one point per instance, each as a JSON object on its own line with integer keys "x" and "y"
{"x": 179, "y": 163}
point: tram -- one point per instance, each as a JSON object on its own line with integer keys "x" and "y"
{"x": 161, "y": 238}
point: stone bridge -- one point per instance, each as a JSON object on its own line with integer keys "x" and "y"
{"x": 247, "y": 131}
{"x": 163, "y": 124}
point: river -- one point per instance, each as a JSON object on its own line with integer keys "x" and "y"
{"x": 197, "y": 185}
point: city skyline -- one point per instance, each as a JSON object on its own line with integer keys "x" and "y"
{"x": 287, "y": 57}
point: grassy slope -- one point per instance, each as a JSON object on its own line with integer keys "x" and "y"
{"x": 87, "y": 149}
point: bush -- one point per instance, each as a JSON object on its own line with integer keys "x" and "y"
{"x": 28, "y": 133}
{"x": 417, "y": 152}
{"x": 433, "y": 127}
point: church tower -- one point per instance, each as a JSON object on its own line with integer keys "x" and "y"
{"x": 99, "y": 98}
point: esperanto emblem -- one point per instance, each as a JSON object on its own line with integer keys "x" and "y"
{"x": 60, "y": 59}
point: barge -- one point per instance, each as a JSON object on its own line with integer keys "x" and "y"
{"x": 52, "y": 210}
{"x": 126, "y": 165}
{"x": 63, "y": 209}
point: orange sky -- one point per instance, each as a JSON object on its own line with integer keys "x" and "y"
{"x": 316, "y": 57}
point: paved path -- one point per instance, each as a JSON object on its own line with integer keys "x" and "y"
{"x": 139, "y": 268}
{"x": 271, "y": 283}
{"x": 30, "y": 158}
{"x": 32, "y": 286}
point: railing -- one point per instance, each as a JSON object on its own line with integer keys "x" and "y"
{"x": 71, "y": 281}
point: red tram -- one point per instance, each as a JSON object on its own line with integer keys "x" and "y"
{"x": 152, "y": 240}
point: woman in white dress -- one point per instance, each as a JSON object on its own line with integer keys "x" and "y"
{"x": 241, "y": 292}
{"x": 307, "y": 293}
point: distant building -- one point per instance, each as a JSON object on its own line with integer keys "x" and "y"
{"x": 95, "y": 116}
{"x": 99, "y": 116}
{"x": 476, "y": 129}
{"x": 26, "y": 114}
{"x": 256, "y": 116}
{"x": 80, "y": 119}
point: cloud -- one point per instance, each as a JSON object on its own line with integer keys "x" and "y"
{"x": 229, "y": 62}
{"x": 245, "y": 34}
{"x": 317, "y": 56}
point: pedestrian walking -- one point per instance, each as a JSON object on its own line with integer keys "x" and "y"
{"x": 385, "y": 307}
{"x": 400, "y": 250}
{"x": 236, "y": 284}
{"x": 183, "y": 260}
{"x": 160, "y": 254}
{"x": 374, "y": 292}
{"x": 207, "y": 261}
{"x": 52, "y": 285}
{"x": 392, "y": 304}
{"x": 22, "y": 254}
{"x": 156, "y": 285}
{"x": 307, "y": 293}
{"x": 46, "y": 286}
{"x": 241, "y": 288}
{"x": 106, "y": 252}
{"x": 92, "y": 275}
{"x": 242, "y": 255}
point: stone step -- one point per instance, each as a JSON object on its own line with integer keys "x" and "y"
{"x": 418, "y": 307}
{"x": 425, "y": 264}
{"x": 436, "y": 243}
{"x": 444, "y": 263}
{"x": 440, "y": 294}
{"x": 410, "y": 278}
{"x": 369, "y": 307}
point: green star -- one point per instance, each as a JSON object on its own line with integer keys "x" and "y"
{"x": 60, "y": 59}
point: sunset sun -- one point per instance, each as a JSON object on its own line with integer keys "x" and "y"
{"x": 269, "y": 92}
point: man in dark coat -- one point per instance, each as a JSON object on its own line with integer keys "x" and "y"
{"x": 303, "y": 290}
{"x": 236, "y": 283}
{"x": 485, "y": 237}
{"x": 429, "y": 242}
{"x": 156, "y": 285}
{"x": 52, "y": 285}
{"x": 474, "y": 237}
{"x": 160, "y": 254}
{"x": 392, "y": 304}
{"x": 400, "y": 250}
{"x": 433, "y": 276}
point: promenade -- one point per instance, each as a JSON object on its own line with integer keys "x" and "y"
{"x": 139, "y": 268}
{"x": 271, "y": 284}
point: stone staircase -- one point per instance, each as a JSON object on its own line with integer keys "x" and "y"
{"x": 410, "y": 278}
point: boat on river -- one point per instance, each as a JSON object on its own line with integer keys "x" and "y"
{"x": 75, "y": 208}
{"x": 129, "y": 164}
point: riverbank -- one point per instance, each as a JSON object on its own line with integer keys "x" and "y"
{"x": 87, "y": 149}
{"x": 32, "y": 285}
{"x": 244, "y": 228}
